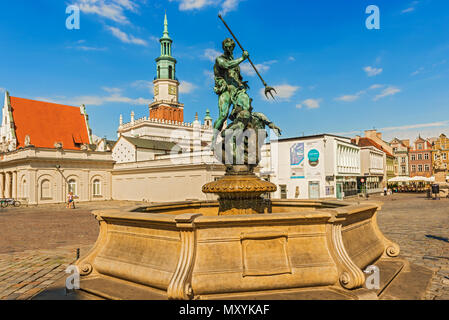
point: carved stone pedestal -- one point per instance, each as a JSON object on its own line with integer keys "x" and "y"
{"x": 241, "y": 194}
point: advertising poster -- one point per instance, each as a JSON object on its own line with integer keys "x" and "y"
{"x": 297, "y": 161}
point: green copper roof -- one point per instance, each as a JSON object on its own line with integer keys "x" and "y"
{"x": 207, "y": 117}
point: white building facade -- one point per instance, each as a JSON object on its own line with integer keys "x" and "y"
{"x": 313, "y": 167}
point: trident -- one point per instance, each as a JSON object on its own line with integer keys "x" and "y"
{"x": 268, "y": 89}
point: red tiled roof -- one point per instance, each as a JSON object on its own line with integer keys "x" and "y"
{"x": 47, "y": 123}
{"x": 367, "y": 142}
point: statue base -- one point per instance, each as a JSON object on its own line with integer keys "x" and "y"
{"x": 240, "y": 192}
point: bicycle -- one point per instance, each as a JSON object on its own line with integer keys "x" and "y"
{"x": 9, "y": 202}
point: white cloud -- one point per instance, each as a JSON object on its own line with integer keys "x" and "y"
{"x": 186, "y": 87}
{"x": 112, "y": 90}
{"x": 291, "y": 58}
{"x": 226, "y": 5}
{"x": 80, "y": 45}
{"x": 348, "y": 98}
{"x": 417, "y": 72}
{"x": 229, "y": 5}
{"x": 110, "y": 9}
{"x": 411, "y": 7}
{"x": 376, "y": 86}
{"x": 211, "y": 54}
{"x": 143, "y": 84}
{"x": 410, "y": 131}
{"x": 408, "y": 10}
{"x": 209, "y": 75}
{"x": 154, "y": 39}
{"x": 354, "y": 97}
{"x": 115, "y": 96}
{"x": 185, "y": 5}
{"x": 248, "y": 70}
{"x": 417, "y": 126}
{"x": 284, "y": 91}
{"x": 371, "y": 72}
{"x": 390, "y": 91}
{"x": 310, "y": 104}
{"x": 86, "y": 48}
{"x": 122, "y": 36}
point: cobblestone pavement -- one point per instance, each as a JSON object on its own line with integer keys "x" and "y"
{"x": 421, "y": 228}
{"x": 38, "y": 243}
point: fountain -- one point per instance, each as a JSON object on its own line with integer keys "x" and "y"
{"x": 243, "y": 245}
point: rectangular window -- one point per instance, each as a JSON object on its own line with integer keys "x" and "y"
{"x": 426, "y": 156}
{"x": 413, "y": 168}
{"x": 413, "y": 157}
{"x": 444, "y": 156}
{"x": 283, "y": 188}
{"x": 426, "y": 167}
{"x": 419, "y": 156}
{"x": 403, "y": 170}
{"x": 420, "y": 168}
{"x": 403, "y": 160}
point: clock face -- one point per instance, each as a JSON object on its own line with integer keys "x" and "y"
{"x": 156, "y": 90}
{"x": 172, "y": 90}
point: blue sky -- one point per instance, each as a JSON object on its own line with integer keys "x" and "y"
{"x": 333, "y": 75}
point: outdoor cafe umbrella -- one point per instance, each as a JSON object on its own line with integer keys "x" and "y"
{"x": 399, "y": 179}
{"x": 419, "y": 178}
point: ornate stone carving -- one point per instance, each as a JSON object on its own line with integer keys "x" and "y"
{"x": 86, "y": 269}
{"x": 351, "y": 277}
{"x": 180, "y": 287}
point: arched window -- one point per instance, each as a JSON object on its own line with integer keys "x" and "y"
{"x": 96, "y": 188}
{"x": 158, "y": 72}
{"x": 45, "y": 189}
{"x": 170, "y": 72}
{"x": 72, "y": 186}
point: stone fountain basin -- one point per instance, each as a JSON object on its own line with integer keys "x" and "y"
{"x": 187, "y": 251}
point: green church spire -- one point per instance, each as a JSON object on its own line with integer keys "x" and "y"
{"x": 166, "y": 34}
{"x": 166, "y": 63}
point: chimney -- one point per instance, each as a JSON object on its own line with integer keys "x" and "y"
{"x": 357, "y": 140}
{"x": 370, "y": 133}
{"x": 406, "y": 142}
{"x": 379, "y": 135}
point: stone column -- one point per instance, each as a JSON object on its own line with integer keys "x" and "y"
{"x": 2, "y": 185}
{"x": 14, "y": 185}
{"x": 7, "y": 184}
{"x": 32, "y": 187}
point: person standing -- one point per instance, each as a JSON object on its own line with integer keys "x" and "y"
{"x": 70, "y": 200}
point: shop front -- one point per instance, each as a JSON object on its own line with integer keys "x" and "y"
{"x": 346, "y": 187}
{"x": 369, "y": 184}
